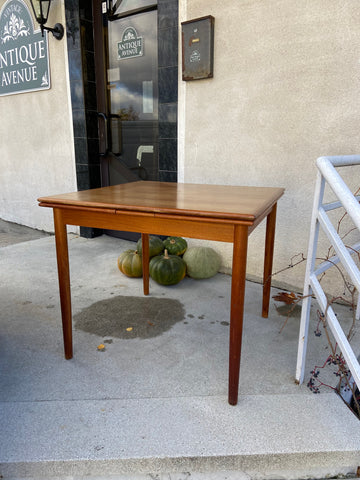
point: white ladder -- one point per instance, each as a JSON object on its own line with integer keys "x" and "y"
{"x": 350, "y": 202}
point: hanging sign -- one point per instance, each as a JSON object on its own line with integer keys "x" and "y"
{"x": 131, "y": 44}
{"x": 24, "y": 58}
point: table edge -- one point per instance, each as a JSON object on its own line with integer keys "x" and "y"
{"x": 54, "y": 202}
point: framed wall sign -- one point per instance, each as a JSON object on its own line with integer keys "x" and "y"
{"x": 24, "y": 57}
{"x": 198, "y": 48}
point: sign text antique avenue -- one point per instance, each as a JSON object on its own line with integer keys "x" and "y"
{"x": 131, "y": 44}
{"x": 24, "y": 64}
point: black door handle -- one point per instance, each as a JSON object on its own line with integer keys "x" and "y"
{"x": 103, "y": 133}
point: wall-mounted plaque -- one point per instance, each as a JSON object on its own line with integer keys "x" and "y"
{"x": 198, "y": 48}
{"x": 24, "y": 59}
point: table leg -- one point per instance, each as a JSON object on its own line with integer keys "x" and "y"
{"x": 237, "y": 309}
{"x": 145, "y": 261}
{"x": 62, "y": 255}
{"x": 268, "y": 262}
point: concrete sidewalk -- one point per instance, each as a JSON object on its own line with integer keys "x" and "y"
{"x": 153, "y": 403}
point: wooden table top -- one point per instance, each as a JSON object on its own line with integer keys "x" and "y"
{"x": 215, "y": 201}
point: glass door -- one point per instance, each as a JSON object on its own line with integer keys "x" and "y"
{"x": 126, "y": 66}
{"x": 130, "y": 151}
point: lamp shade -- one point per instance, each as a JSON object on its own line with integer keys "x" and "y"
{"x": 41, "y": 10}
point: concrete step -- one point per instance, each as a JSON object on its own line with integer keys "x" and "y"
{"x": 272, "y": 434}
{"x": 218, "y": 475}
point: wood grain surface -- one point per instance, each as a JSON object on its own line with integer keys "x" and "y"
{"x": 216, "y": 201}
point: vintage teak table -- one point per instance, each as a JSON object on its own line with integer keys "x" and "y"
{"x": 212, "y": 212}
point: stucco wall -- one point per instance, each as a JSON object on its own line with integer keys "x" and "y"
{"x": 36, "y": 149}
{"x": 285, "y": 91}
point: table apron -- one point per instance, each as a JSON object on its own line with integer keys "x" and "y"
{"x": 194, "y": 227}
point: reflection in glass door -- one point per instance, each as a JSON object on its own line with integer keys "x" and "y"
{"x": 132, "y": 96}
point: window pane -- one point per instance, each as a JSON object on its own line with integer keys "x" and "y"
{"x": 127, "y": 5}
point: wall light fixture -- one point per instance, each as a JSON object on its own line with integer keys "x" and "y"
{"x": 41, "y": 10}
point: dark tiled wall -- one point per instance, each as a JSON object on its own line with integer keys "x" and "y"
{"x": 80, "y": 42}
{"x": 168, "y": 92}
{"x": 83, "y": 91}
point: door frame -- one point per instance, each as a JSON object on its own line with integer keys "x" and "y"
{"x": 168, "y": 31}
{"x": 100, "y": 75}
{"x": 101, "y": 65}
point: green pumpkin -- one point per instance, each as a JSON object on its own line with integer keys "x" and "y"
{"x": 130, "y": 263}
{"x": 156, "y": 245}
{"x": 201, "y": 262}
{"x": 175, "y": 245}
{"x": 167, "y": 269}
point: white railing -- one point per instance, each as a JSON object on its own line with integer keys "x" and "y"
{"x": 346, "y": 199}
